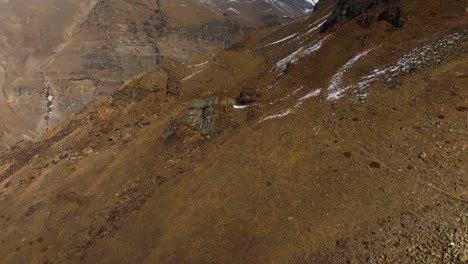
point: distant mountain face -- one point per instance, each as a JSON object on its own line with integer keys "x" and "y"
{"x": 262, "y": 7}
{"x": 58, "y": 56}
{"x": 30, "y": 32}
{"x": 268, "y": 12}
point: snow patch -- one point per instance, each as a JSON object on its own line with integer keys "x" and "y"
{"x": 281, "y": 40}
{"x": 233, "y": 10}
{"x": 280, "y": 6}
{"x": 287, "y": 96}
{"x": 207, "y": 2}
{"x": 309, "y": 95}
{"x": 298, "y": 54}
{"x": 335, "y": 91}
{"x": 409, "y": 61}
{"x": 240, "y": 106}
{"x": 192, "y": 75}
{"x": 198, "y": 65}
{"x": 279, "y": 115}
{"x": 293, "y": 109}
{"x": 320, "y": 23}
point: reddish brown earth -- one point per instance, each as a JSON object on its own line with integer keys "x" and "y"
{"x": 167, "y": 170}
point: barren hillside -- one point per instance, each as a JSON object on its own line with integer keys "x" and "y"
{"x": 337, "y": 138}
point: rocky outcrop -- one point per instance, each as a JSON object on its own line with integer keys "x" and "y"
{"x": 201, "y": 114}
{"x": 348, "y": 9}
{"x": 200, "y": 120}
{"x": 392, "y": 15}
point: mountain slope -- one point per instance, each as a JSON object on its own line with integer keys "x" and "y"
{"x": 29, "y": 32}
{"x": 292, "y": 146}
{"x": 59, "y": 56}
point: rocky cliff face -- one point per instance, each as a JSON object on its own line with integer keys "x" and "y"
{"x": 349, "y": 9}
{"x": 58, "y": 56}
{"x": 31, "y": 33}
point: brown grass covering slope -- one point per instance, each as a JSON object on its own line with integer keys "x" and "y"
{"x": 278, "y": 150}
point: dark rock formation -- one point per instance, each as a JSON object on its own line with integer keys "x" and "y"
{"x": 348, "y": 9}
{"x": 392, "y": 15}
{"x": 244, "y": 98}
{"x": 202, "y": 115}
{"x": 201, "y": 119}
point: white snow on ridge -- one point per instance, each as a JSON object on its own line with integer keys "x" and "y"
{"x": 293, "y": 109}
{"x": 404, "y": 65}
{"x": 279, "y": 115}
{"x": 233, "y": 10}
{"x": 198, "y": 65}
{"x": 312, "y": 30}
{"x": 192, "y": 75}
{"x": 309, "y": 95}
{"x": 281, "y": 40}
{"x": 315, "y": 27}
{"x": 298, "y": 54}
{"x": 334, "y": 89}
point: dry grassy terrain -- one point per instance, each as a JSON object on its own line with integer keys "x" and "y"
{"x": 293, "y": 146}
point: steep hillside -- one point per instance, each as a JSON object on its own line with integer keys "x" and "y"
{"x": 293, "y": 146}
{"x": 58, "y": 56}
